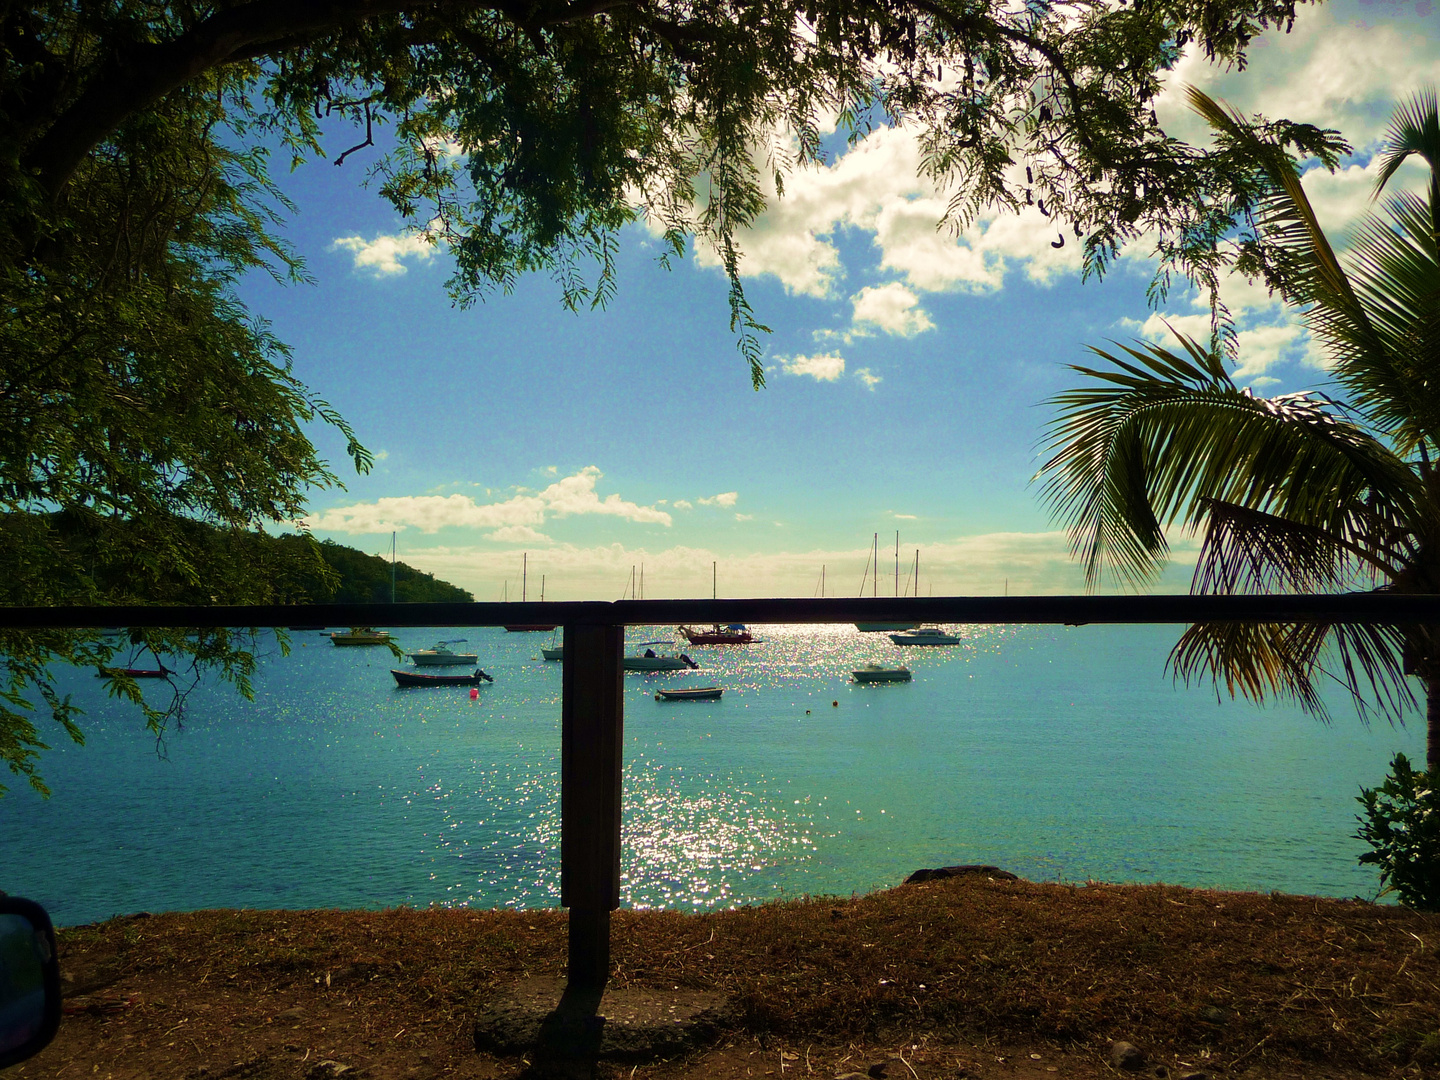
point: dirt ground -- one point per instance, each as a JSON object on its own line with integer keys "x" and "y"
{"x": 947, "y": 980}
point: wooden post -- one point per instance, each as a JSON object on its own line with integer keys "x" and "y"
{"x": 591, "y": 734}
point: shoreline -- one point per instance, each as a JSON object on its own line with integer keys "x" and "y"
{"x": 1240, "y": 983}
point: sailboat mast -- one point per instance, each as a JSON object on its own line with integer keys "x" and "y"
{"x": 897, "y": 562}
{"x": 392, "y": 566}
{"x": 524, "y": 574}
{"x": 542, "y": 588}
{"x": 875, "y": 558}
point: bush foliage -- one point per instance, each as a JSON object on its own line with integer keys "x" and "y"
{"x": 1401, "y": 824}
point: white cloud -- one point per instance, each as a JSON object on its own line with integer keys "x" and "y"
{"x": 725, "y": 499}
{"x": 1332, "y": 70}
{"x": 515, "y": 518}
{"x": 892, "y": 308}
{"x": 1034, "y": 563}
{"x": 869, "y": 378}
{"x": 382, "y": 255}
{"x": 875, "y": 188}
{"x": 519, "y": 534}
{"x": 683, "y": 504}
{"x": 744, "y": 517}
{"x": 825, "y": 368}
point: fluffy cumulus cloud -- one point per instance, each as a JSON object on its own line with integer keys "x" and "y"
{"x": 875, "y": 188}
{"x": 517, "y": 518}
{"x": 891, "y": 309}
{"x": 384, "y": 255}
{"x": 725, "y": 499}
{"x": 1341, "y": 67}
{"x": 825, "y": 368}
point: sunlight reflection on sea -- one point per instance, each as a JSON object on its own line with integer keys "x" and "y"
{"x": 1054, "y": 752}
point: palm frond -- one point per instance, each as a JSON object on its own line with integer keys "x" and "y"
{"x": 1309, "y": 271}
{"x": 1414, "y": 129}
{"x": 1396, "y": 269}
{"x": 1289, "y": 661}
{"x": 1250, "y": 551}
{"x": 1148, "y": 440}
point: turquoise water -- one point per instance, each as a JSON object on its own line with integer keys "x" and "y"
{"x": 1058, "y": 753}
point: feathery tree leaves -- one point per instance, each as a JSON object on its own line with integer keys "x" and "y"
{"x": 528, "y": 135}
{"x": 1296, "y": 493}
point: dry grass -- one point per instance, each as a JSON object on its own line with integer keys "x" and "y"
{"x": 1239, "y": 979}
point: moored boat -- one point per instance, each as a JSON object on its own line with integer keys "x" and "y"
{"x": 657, "y": 663}
{"x": 875, "y": 673}
{"x": 734, "y": 634}
{"x": 689, "y": 693}
{"x": 925, "y": 635}
{"x": 441, "y": 655}
{"x": 360, "y": 635}
{"x": 135, "y": 673}
{"x": 557, "y": 653}
{"x": 416, "y": 678}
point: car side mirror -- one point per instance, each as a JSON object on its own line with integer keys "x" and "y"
{"x": 29, "y": 980}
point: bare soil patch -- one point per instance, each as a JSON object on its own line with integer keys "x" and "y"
{"x": 965, "y": 977}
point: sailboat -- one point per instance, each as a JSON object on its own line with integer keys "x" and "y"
{"x": 883, "y": 627}
{"x": 525, "y": 628}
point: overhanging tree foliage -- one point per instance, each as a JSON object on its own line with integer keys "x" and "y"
{"x": 529, "y": 134}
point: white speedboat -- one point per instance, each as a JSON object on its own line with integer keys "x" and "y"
{"x": 925, "y": 635}
{"x": 876, "y": 673}
{"x": 441, "y": 655}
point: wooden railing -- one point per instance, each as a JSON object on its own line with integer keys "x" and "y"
{"x": 592, "y": 713}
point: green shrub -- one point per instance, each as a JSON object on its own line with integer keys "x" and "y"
{"x": 1401, "y": 824}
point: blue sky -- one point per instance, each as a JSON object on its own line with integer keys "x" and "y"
{"x": 906, "y": 371}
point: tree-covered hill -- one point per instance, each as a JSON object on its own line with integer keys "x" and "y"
{"x": 366, "y": 579}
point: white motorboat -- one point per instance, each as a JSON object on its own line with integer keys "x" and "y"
{"x": 925, "y": 635}
{"x": 876, "y": 673}
{"x": 441, "y": 655}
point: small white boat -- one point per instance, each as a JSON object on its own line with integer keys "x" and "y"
{"x": 925, "y": 635}
{"x": 653, "y": 662}
{"x": 876, "y": 673}
{"x": 441, "y": 655}
{"x": 690, "y": 693}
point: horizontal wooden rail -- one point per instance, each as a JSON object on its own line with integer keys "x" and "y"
{"x": 1370, "y": 607}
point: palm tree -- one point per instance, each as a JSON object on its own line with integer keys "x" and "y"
{"x": 1296, "y": 493}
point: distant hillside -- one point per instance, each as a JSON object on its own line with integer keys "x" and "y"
{"x": 80, "y": 556}
{"x": 365, "y": 579}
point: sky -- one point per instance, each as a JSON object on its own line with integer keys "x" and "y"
{"x": 907, "y": 371}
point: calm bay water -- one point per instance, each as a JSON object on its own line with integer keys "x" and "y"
{"x": 1058, "y": 753}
